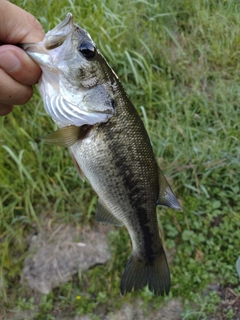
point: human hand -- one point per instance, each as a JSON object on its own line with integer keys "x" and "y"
{"x": 18, "y": 72}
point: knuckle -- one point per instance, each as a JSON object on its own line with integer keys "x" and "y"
{"x": 25, "y": 95}
{"x": 13, "y": 92}
{"x": 5, "y": 109}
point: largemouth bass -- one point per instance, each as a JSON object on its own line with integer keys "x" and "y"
{"x": 108, "y": 144}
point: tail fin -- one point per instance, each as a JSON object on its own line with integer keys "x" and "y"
{"x": 139, "y": 273}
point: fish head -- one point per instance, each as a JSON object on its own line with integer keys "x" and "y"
{"x": 68, "y": 49}
{"x": 75, "y": 76}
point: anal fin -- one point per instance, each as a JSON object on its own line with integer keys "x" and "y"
{"x": 103, "y": 215}
{"x": 166, "y": 196}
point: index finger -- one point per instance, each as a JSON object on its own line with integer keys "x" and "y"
{"x": 17, "y": 25}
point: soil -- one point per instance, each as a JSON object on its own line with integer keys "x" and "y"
{"x": 230, "y": 304}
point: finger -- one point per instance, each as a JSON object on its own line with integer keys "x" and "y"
{"x": 17, "y": 25}
{"x": 5, "y": 109}
{"x": 13, "y": 92}
{"x": 17, "y": 64}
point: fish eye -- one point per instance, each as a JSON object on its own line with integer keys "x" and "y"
{"x": 87, "y": 49}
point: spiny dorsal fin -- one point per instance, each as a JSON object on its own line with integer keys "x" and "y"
{"x": 67, "y": 136}
{"x": 104, "y": 216}
{"x": 166, "y": 196}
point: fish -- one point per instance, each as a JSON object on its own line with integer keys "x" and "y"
{"x": 109, "y": 146}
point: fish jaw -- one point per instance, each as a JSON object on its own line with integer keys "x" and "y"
{"x": 43, "y": 52}
{"x": 58, "y": 44}
{"x": 39, "y": 54}
{"x": 57, "y": 35}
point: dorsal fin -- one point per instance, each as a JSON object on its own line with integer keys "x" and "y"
{"x": 166, "y": 196}
{"x": 103, "y": 215}
{"x": 67, "y": 136}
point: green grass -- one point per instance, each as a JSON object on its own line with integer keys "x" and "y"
{"x": 179, "y": 62}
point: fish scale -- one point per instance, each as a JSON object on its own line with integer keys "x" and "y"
{"x": 109, "y": 146}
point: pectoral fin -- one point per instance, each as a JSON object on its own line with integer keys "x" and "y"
{"x": 104, "y": 216}
{"x": 67, "y": 136}
{"x": 166, "y": 196}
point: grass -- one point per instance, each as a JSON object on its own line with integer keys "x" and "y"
{"x": 179, "y": 62}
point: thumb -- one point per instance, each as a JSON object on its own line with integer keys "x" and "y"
{"x": 17, "y": 64}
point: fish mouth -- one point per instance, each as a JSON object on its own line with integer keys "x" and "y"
{"x": 58, "y": 35}
{"x": 38, "y": 51}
